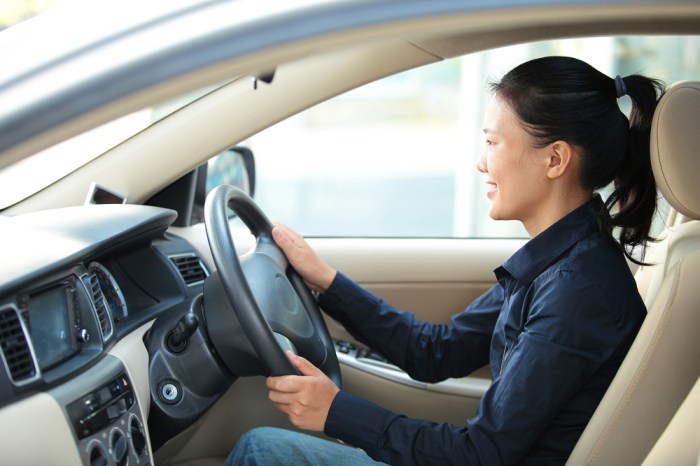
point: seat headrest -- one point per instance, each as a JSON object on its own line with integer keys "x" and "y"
{"x": 675, "y": 147}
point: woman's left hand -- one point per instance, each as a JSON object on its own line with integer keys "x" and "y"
{"x": 306, "y": 398}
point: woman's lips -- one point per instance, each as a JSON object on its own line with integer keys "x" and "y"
{"x": 492, "y": 189}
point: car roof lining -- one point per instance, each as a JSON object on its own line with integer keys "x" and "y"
{"x": 459, "y": 43}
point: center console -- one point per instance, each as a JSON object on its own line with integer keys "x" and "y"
{"x": 106, "y": 421}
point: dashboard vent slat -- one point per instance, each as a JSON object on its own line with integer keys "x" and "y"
{"x": 191, "y": 268}
{"x": 15, "y": 347}
{"x": 100, "y": 306}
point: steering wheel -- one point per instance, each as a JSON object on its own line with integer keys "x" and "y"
{"x": 275, "y": 309}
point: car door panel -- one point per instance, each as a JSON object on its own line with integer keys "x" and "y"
{"x": 432, "y": 278}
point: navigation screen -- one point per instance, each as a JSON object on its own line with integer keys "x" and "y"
{"x": 50, "y": 326}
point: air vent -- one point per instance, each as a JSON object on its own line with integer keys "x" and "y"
{"x": 191, "y": 268}
{"x": 15, "y": 347}
{"x": 98, "y": 299}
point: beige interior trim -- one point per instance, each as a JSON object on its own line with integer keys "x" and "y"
{"x": 681, "y": 239}
{"x": 381, "y": 264}
{"x": 39, "y": 433}
{"x": 415, "y": 260}
{"x": 674, "y": 142}
{"x": 679, "y": 445}
{"x": 133, "y": 354}
{"x": 473, "y": 386}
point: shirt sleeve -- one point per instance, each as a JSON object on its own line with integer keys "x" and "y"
{"x": 568, "y": 334}
{"x": 426, "y": 351}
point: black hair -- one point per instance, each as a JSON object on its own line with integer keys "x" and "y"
{"x": 566, "y": 99}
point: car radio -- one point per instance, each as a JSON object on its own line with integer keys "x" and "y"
{"x": 96, "y": 410}
{"x": 106, "y": 421}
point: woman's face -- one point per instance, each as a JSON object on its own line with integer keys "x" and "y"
{"x": 515, "y": 170}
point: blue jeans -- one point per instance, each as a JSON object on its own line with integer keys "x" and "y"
{"x": 269, "y": 446}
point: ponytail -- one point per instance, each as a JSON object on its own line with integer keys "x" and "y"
{"x": 632, "y": 204}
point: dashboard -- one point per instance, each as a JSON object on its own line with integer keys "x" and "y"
{"x": 79, "y": 288}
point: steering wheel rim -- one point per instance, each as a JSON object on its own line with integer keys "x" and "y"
{"x": 256, "y": 322}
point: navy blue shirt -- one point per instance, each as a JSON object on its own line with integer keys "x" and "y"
{"x": 554, "y": 331}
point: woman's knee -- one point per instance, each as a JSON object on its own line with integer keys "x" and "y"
{"x": 263, "y": 446}
{"x": 260, "y": 435}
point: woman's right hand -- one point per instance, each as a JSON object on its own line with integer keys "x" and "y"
{"x": 317, "y": 275}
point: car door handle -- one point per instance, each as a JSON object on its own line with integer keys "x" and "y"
{"x": 371, "y": 362}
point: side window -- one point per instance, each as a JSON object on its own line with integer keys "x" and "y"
{"x": 397, "y": 157}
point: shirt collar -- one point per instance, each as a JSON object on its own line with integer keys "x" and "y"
{"x": 538, "y": 253}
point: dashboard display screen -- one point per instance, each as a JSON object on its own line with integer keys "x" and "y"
{"x": 51, "y": 325}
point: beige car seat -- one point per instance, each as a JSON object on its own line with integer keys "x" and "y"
{"x": 679, "y": 445}
{"x": 664, "y": 361}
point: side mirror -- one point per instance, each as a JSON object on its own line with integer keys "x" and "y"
{"x": 186, "y": 195}
{"x": 235, "y": 166}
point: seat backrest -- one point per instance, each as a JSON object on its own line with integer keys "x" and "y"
{"x": 662, "y": 364}
{"x": 648, "y": 277}
{"x": 680, "y": 238}
{"x": 679, "y": 445}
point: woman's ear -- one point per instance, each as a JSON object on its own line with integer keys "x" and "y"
{"x": 560, "y": 156}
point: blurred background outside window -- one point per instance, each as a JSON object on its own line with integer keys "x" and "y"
{"x": 397, "y": 157}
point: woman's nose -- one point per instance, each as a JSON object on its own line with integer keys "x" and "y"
{"x": 481, "y": 163}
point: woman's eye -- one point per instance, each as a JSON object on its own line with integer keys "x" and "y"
{"x": 488, "y": 142}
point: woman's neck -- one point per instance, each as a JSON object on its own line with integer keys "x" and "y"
{"x": 554, "y": 209}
